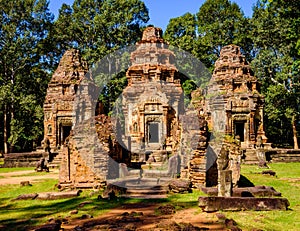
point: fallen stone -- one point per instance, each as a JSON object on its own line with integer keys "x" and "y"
{"x": 180, "y": 186}
{"x": 30, "y": 196}
{"x": 232, "y": 225}
{"x": 268, "y": 172}
{"x": 257, "y": 191}
{"x": 166, "y": 209}
{"x": 49, "y": 227}
{"x": 58, "y": 195}
{"x": 86, "y": 216}
{"x": 75, "y": 211}
{"x": 82, "y": 204}
{"x": 25, "y": 183}
{"x": 212, "y": 204}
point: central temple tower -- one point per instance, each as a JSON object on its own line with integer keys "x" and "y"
{"x": 153, "y": 99}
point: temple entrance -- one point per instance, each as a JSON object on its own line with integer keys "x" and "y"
{"x": 64, "y": 133}
{"x": 239, "y": 128}
{"x": 153, "y": 132}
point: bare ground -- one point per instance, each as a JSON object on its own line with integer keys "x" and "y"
{"x": 19, "y": 176}
{"x": 142, "y": 217}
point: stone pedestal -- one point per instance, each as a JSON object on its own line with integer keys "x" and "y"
{"x": 260, "y": 152}
{"x": 225, "y": 183}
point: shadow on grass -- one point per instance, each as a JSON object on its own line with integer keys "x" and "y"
{"x": 26, "y": 214}
{"x": 245, "y": 182}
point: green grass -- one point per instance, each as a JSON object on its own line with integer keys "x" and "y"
{"x": 6, "y": 170}
{"x": 287, "y": 182}
{"x": 16, "y": 215}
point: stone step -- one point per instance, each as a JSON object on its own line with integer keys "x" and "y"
{"x": 251, "y": 157}
{"x": 144, "y": 188}
{"x": 159, "y": 196}
{"x": 146, "y": 191}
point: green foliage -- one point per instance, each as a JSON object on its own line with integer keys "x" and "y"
{"x": 97, "y": 27}
{"x": 220, "y": 23}
{"x": 276, "y": 34}
{"x": 181, "y": 32}
{"x": 270, "y": 39}
{"x": 23, "y": 69}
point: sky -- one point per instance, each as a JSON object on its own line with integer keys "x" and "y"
{"x": 161, "y": 11}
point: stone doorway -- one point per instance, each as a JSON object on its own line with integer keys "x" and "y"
{"x": 239, "y": 130}
{"x": 153, "y": 132}
{"x": 64, "y": 133}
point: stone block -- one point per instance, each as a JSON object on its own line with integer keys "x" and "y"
{"x": 213, "y": 204}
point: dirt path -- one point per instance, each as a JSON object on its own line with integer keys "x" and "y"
{"x": 19, "y": 176}
{"x": 144, "y": 216}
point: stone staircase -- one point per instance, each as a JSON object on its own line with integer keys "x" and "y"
{"x": 251, "y": 157}
{"x": 55, "y": 163}
{"x": 283, "y": 155}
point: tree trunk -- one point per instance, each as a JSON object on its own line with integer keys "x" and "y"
{"x": 295, "y": 132}
{"x": 12, "y": 115}
{"x": 5, "y": 132}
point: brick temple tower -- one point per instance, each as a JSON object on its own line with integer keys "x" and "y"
{"x": 61, "y": 92}
{"x": 234, "y": 104}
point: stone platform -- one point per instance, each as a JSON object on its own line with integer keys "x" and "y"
{"x": 213, "y": 204}
{"x": 25, "y": 159}
{"x": 283, "y": 155}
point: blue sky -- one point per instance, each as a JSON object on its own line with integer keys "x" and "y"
{"x": 162, "y": 11}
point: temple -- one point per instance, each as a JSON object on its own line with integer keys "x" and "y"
{"x": 155, "y": 135}
{"x": 234, "y": 104}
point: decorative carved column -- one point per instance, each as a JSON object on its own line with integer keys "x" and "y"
{"x": 252, "y": 128}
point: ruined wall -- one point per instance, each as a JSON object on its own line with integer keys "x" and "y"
{"x": 90, "y": 153}
{"x": 194, "y": 140}
{"x": 25, "y": 159}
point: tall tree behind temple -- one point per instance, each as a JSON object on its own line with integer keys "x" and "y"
{"x": 181, "y": 32}
{"x": 23, "y": 59}
{"x": 218, "y": 23}
{"x": 276, "y": 31}
{"x": 97, "y": 27}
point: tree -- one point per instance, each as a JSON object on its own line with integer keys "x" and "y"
{"x": 97, "y": 27}
{"x": 181, "y": 32}
{"x": 276, "y": 26}
{"x": 23, "y": 58}
{"x": 221, "y": 23}
{"x": 218, "y": 23}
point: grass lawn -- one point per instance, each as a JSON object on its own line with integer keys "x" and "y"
{"x": 6, "y": 170}
{"x": 287, "y": 182}
{"x": 15, "y": 215}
